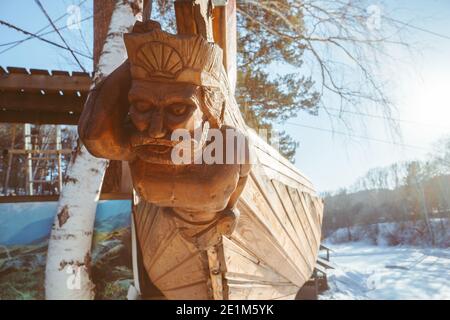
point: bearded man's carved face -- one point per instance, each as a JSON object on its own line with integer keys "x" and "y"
{"x": 175, "y": 85}
{"x": 157, "y": 109}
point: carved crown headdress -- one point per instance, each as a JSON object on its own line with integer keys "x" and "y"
{"x": 161, "y": 56}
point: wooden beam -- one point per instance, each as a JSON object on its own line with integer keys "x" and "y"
{"x": 147, "y": 10}
{"x": 194, "y": 17}
{"x": 216, "y": 24}
{"x": 38, "y": 117}
{"x": 185, "y": 17}
{"x": 15, "y": 199}
{"x": 55, "y": 197}
{"x": 34, "y": 151}
{"x": 37, "y": 102}
{"x": 225, "y": 29}
{"x": 116, "y": 196}
{"x": 48, "y": 83}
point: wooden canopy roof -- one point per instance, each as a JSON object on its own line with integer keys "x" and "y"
{"x": 42, "y": 96}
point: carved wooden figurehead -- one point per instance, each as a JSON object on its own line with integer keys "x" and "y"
{"x": 171, "y": 100}
{"x": 169, "y": 83}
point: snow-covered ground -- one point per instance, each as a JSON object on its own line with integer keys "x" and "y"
{"x": 366, "y": 271}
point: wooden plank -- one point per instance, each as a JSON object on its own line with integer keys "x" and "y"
{"x": 315, "y": 225}
{"x": 225, "y": 30}
{"x": 215, "y": 273}
{"x": 287, "y": 297}
{"x": 271, "y": 158}
{"x": 242, "y": 264}
{"x": 81, "y": 74}
{"x": 305, "y": 239}
{"x": 267, "y": 190}
{"x": 286, "y": 220}
{"x": 60, "y": 73}
{"x": 17, "y": 70}
{"x": 47, "y": 198}
{"x": 260, "y": 291}
{"x": 324, "y": 263}
{"x": 38, "y": 117}
{"x": 324, "y": 247}
{"x": 196, "y": 291}
{"x": 173, "y": 264}
{"x": 320, "y": 268}
{"x": 280, "y": 168}
{"x": 172, "y": 252}
{"x": 312, "y": 208}
{"x": 38, "y": 102}
{"x": 267, "y": 244}
{"x": 59, "y": 81}
{"x": 40, "y": 71}
{"x": 184, "y": 275}
{"x": 36, "y": 151}
{"x": 246, "y": 278}
{"x": 219, "y": 27}
{"x": 184, "y": 14}
{"x": 194, "y": 17}
{"x": 318, "y": 203}
{"x": 183, "y": 272}
{"x": 303, "y": 215}
{"x": 145, "y": 215}
{"x": 17, "y": 199}
{"x": 115, "y": 196}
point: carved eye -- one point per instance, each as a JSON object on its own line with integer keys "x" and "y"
{"x": 179, "y": 110}
{"x": 141, "y": 106}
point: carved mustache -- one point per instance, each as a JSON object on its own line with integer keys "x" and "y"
{"x": 140, "y": 139}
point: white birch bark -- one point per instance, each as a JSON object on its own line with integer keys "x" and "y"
{"x": 67, "y": 274}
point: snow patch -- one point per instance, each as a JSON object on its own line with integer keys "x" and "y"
{"x": 388, "y": 273}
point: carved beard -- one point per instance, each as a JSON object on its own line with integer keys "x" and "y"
{"x": 159, "y": 151}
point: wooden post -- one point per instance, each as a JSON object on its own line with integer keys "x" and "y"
{"x": 58, "y": 152}
{"x": 10, "y": 155}
{"x": 225, "y": 29}
{"x": 195, "y": 17}
{"x": 316, "y": 283}
{"x": 147, "y": 10}
{"x": 215, "y": 21}
{"x": 29, "y": 166}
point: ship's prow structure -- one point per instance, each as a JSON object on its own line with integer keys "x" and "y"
{"x": 270, "y": 255}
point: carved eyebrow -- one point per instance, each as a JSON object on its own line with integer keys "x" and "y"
{"x": 169, "y": 101}
{"x": 133, "y": 97}
{"x": 164, "y": 99}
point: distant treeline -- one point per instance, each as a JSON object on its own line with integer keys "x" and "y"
{"x": 415, "y": 193}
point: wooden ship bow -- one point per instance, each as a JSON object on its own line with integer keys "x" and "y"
{"x": 242, "y": 229}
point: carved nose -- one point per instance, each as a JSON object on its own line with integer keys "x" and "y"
{"x": 156, "y": 129}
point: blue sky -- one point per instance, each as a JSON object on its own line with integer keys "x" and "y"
{"x": 419, "y": 86}
{"x": 419, "y": 83}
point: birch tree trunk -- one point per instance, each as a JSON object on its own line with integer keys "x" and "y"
{"x": 67, "y": 274}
